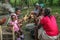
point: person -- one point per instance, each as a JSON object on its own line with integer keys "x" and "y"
{"x": 37, "y": 29}
{"x": 31, "y": 17}
{"x": 31, "y": 23}
{"x": 17, "y": 12}
{"x": 14, "y": 23}
{"x": 49, "y": 25}
{"x": 37, "y": 9}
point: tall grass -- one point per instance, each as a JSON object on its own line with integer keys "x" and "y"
{"x": 18, "y": 2}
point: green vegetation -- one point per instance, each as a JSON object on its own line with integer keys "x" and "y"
{"x": 53, "y": 4}
{"x": 32, "y": 2}
{"x": 54, "y": 10}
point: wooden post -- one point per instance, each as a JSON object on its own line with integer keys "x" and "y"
{"x": 1, "y": 32}
{"x": 13, "y": 34}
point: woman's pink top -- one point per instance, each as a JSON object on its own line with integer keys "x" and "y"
{"x": 16, "y": 28}
{"x": 49, "y": 25}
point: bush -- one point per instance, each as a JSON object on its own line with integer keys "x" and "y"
{"x": 58, "y": 2}
{"x": 23, "y": 2}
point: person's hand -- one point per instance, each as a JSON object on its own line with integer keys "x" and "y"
{"x": 25, "y": 18}
{"x": 32, "y": 16}
{"x": 56, "y": 15}
{"x": 20, "y": 21}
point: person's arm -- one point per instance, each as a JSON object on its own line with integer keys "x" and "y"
{"x": 56, "y": 15}
{"x": 40, "y": 22}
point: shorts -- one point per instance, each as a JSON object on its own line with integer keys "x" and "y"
{"x": 42, "y": 33}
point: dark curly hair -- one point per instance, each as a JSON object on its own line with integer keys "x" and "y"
{"x": 40, "y": 11}
{"x": 17, "y": 8}
{"x": 47, "y": 12}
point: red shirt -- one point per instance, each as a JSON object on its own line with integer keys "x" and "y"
{"x": 49, "y": 25}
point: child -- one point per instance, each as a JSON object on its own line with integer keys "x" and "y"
{"x": 32, "y": 17}
{"x": 20, "y": 35}
{"x": 15, "y": 23}
{"x": 18, "y": 12}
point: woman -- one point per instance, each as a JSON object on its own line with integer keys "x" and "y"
{"x": 49, "y": 25}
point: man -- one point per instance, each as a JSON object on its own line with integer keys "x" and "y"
{"x": 18, "y": 12}
{"x": 37, "y": 9}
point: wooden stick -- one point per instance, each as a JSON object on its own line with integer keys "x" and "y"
{"x": 13, "y": 34}
{"x": 1, "y": 31}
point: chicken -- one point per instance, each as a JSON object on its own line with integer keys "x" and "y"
{"x": 2, "y": 21}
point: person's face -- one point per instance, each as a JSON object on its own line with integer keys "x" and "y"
{"x": 32, "y": 13}
{"x": 37, "y": 6}
{"x": 13, "y": 18}
{"x": 18, "y": 12}
{"x": 43, "y": 12}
